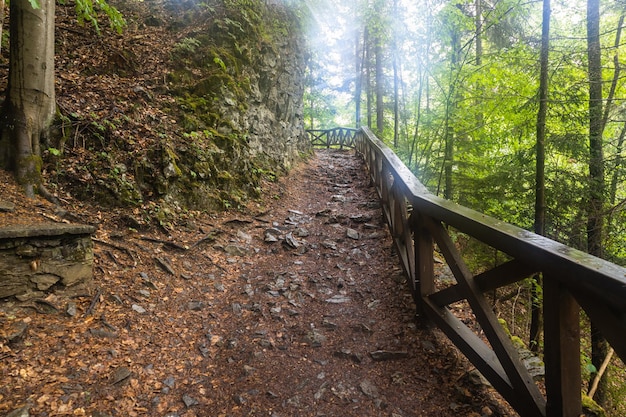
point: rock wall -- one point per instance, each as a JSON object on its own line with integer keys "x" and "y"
{"x": 34, "y": 258}
{"x": 241, "y": 86}
{"x": 275, "y": 116}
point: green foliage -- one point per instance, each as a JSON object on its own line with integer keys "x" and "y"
{"x": 186, "y": 47}
{"x": 87, "y": 11}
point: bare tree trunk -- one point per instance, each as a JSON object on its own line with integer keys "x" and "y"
{"x": 30, "y": 104}
{"x": 451, "y": 108}
{"x": 378, "y": 51}
{"x": 368, "y": 76}
{"x": 540, "y": 178}
{"x": 359, "y": 55}
{"x": 595, "y": 219}
{"x": 396, "y": 78}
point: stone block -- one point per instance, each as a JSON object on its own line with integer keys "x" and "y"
{"x": 37, "y": 257}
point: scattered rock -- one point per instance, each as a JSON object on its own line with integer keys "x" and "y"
{"x": 17, "y": 332}
{"x": 235, "y": 250}
{"x": 329, "y": 244}
{"x": 339, "y": 198}
{"x": 361, "y": 218}
{"x": 352, "y": 234}
{"x": 301, "y": 232}
{"x": 386, "y": 355}
{"x": 189, "y": 401}
{"x": 195, "y": 305}
{"x": 291, "y": 241}
{"x": 329, "y": 324}
{"x": 7, "y": 207}
{"x": 120, "y": 374}
{"x": 103, "y": 334}
{"x": 139, "y": 309}
{"x": 347, "y": 354}
{"x": 314, "y": 338}
{"x": 338, "y": 299}
{"x": 324, "y": 213}
{"x": 241, "y": 235}
{"x": 428, "y": 346}
{"x": 476, "y": 378}
{"x": 20, "y": 412}
{"x": 270, "y": 236}
{"x": 71, "y": 309}
{"x": 369, "y": 389}
{"x": 170, "y": 381}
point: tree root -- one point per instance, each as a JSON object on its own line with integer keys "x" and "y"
{"x": 45, "y": 193}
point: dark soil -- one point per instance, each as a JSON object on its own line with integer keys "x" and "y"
{"x": 210, "y": 319}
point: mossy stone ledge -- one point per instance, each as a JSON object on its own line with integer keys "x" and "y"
{"x": 36, "y": 257}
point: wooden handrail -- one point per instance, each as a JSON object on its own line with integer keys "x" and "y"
{"x": 418, "y": 219}
{"x": 342, "y": 137}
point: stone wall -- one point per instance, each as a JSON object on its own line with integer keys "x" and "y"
{"x": 34, "y": 258}
{"x": 275, "y": 117}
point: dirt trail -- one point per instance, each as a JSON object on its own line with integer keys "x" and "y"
{"x": 294, "y": 308}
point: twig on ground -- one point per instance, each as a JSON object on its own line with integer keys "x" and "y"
{"x": 94, "y": 301}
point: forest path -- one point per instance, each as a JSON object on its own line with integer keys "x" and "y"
{"x": 295, "y": 308}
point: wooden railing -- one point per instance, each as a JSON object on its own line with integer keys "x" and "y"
{"x": 341, "y": 137}
{"x": 418, "y": 220}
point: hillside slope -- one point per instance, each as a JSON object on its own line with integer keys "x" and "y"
{"x": 190, "y": 107}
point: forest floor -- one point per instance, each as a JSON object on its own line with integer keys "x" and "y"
{"x": 293, "y": 307}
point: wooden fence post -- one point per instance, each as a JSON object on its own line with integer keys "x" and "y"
{"x": 561, "y": 350}
{"x": 424, "y": 280}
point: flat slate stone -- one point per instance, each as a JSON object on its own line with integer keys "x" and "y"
{"x": 45, "y": 229}
{"x": 6, "y": 206}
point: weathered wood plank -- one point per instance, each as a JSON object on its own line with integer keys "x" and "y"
{"x": 505, "y": 274}
{"x": 561, "y": 351}
{"x": 529, "y": 400}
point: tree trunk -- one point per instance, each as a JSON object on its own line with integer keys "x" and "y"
{"x": 540, "y": 179}
{"x": 359, "y": 55}
{"x": 368, "y": 77}
{"x": 29, "y": 107}
{"x": 595, "y": 220}
{"x": 451, "y": 108}
{"x": 378, "y": 52}
{"x": 396, "y": 78}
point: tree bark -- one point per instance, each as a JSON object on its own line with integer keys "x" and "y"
{"x": 378, "y": 52}
{"x": 359, "y": 55}
{"x": 396, "y": 78}
{"x": 368, "y": 76}
{"x": 540, "y": 178}
{"x": 595, "y": 219}
{"x": 29, "y": 107}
